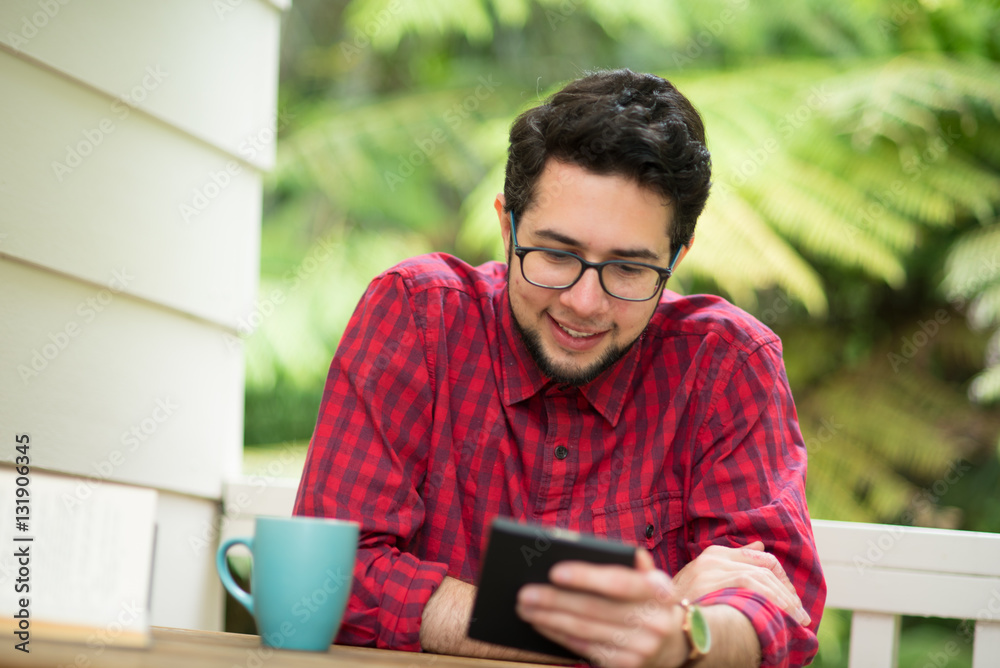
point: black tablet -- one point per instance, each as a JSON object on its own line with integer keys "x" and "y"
{"x": 518, "y": 554}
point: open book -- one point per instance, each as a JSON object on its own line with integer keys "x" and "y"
{"x": 76, "y": 559}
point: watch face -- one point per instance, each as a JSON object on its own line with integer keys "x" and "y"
{"x": 700, "y": 637}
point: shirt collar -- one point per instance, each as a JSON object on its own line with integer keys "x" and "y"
{"x": 521, "y": 378}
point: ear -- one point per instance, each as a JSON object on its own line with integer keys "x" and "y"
{"x": 504, "y": 217}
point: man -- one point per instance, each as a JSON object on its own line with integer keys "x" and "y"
{"x": 591, "y": 400}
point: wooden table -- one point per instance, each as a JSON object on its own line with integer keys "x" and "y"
{"x": 210, "y": 649}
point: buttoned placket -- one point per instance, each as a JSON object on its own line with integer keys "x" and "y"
{"x": 561, "y": 461}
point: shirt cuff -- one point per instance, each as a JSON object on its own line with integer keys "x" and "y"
{"x": 412, "y": 583}
{"x": 784, "y": 643}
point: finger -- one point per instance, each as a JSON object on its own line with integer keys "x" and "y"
{"x": 597, "y": 654}
{"x": 602, "y": 644}
{"x": 612, "y": 581}
{"x": 753, "y": 574}
{"x": 726, "y": 567}
{"x": 755, "y": 554}
{"x": 613, "y": 612}
{"x": 771, "y": 563}
{"x": 765, "y": 583}
{"x": 551, "y": 622}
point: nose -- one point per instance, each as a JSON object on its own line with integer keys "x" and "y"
{"x": 586, "y": 297}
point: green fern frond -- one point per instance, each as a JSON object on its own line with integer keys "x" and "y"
{"x": 386, "y": 21}
{"x": 880, "y": 424}
{"x": 931, "y": 81}
{"x": 391, "y": 159}
{"x": 799, "y": 216}
{"x": 661, "y": 19}
{"x": 964, "y": 184}
{"x": 828, "y": 496}
{"x": 973, "y": 264}
{"x": 737, "y": 249}
{"x": 315, "y": 299}
{"x": 985, "y": 387}
{"x": 984, "y": 311}
{"x": 858, "y": 209}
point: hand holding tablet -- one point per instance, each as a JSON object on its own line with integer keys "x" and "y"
{"x": 519, "y": 554}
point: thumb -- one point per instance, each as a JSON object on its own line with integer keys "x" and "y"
{"x": 644, "y": 560}
{"x": 661, "y": 585}
{"x": 757, "y": 545}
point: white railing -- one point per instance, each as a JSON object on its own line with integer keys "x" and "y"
{"x": 881, "y": 572}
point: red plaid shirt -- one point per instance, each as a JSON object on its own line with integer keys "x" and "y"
{"x": 435, "y": 420}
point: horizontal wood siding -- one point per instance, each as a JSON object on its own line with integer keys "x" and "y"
{"x": 220, "y": 59}
{"x": 115, "y": 388}
{"x": 133, "y": 137}
{"x": 121, "y": 205}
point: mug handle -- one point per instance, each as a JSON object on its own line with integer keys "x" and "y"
{"x": 240, "y": 594}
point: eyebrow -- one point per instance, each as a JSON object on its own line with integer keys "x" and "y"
{"x": 633, "y": 253}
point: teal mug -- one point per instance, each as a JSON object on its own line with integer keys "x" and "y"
{"x": 300, "y": 579}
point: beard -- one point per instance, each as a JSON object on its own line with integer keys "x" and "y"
{"x": 559, "y": 373}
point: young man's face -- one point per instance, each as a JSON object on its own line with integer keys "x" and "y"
{"x": 576, "y": 333}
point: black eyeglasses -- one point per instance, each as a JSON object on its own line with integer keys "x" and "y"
{"x": 558, "y": 270}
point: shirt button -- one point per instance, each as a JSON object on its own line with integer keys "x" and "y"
{"x": 649, "y": 530}
{"x": 562, "y": 452}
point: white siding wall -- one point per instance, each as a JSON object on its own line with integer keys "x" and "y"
{"x": 132, "y": 140}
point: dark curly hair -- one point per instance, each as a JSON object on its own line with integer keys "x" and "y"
{"x": 621, "y": 123}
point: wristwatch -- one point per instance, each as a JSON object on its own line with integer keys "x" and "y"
{"x": 696, "y": 630}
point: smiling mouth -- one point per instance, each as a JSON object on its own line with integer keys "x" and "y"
{"x": 577, "y": 334}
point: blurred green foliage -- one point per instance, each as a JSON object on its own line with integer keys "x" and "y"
{"x": 856, "y": 148}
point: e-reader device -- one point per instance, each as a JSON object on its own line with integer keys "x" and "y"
{"x": 518, "y": 554}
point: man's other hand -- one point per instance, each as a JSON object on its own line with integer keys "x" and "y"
{"x": 748, "y": 567}
{"x": 622, "y": 617}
